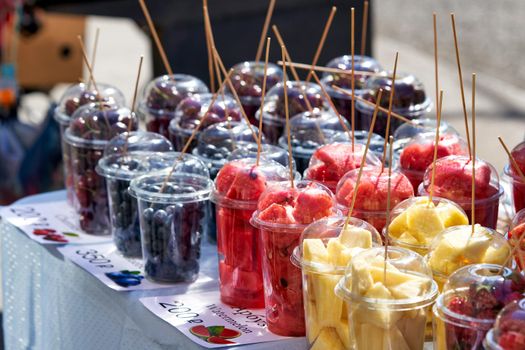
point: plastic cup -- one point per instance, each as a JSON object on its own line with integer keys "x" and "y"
{"x": 273, "y": 111}
{"x": 74, "y": 97}
{"x": 471, "y": 299}
{"x": 410, "y": 101}
{"x": 171, "y": 223}
{"x": 283, "y": 294}
{"x": 343, "y": 102}
{"x": 453, "y": 181}
{"x": 91, "y": 128}
{"x": 162, "y": 96}
{"x": 515, "y": 236}
{"x": 377, "y": 143}
{"x": 240, "y": 271}
{"x": 370, "y": 204}
{"x": 325, "y": 313}
{"x": 192, "y": 111}
{"x": 308, "y": 131}
{"x": 509, "y": 329}
{"x": 247, "y": 80}
{"x": 518, "y": 188}
{"x": 271, "y": 152}
{"x": 381, "y": 315}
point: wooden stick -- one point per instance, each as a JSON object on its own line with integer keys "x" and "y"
{"x": 135, "y": 91}
{"x": 389, "y": 115}
{"x": 259, "y": 141}
{"x": 287, "y": 113}
{"x": 436, "y": 75}
{"x": 473, "y": 197}
{"x": 156, "y": 38}
{"x": 88, "y": 65}
{"x": 320, "y": 46}
{"x": 363, "y": 159}
{"x": 512, "y": 159}
{"x": 388, "y": 196}
{"x": 511, "y": 255}
{"x": 306, "y": 66}
{"x": 352, "y": 51}
{"x": 266, "y": 24}
{"x": 436, "y": 142}
{"x": 94, "y": 54}
{"x": 465, "y": 116}
{"x": 364, "y": 28}
{"x": 208, "y": 45}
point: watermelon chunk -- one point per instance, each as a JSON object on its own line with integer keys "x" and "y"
{"x": 330, "y": 162}
{"x": 518, "y": 153}
{"x": 312, "y": 204}
{"x": 277, "y": 213}
{"x": 237, "y": 181}
{"x": 282, "y": 196}
{"x": 419, "y": 155}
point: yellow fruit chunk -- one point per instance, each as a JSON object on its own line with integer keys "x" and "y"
{"x": 409, "y": 289}
{"x": 328, "y": 306}
{"x": 356, "y": 237}
{"x": 344, "y": 333}
{"x": 378, "y": 291}
{"x": 328, "y": 339}
{"x": 394, "y": 340}
{"x": 424, "y": 222}
{"x": 496, "y": 255}
{"x": 452, "y": 216}
{"x": 370, "y": 337}
{"x": 408, "y": 238}
{"x": 312, "y": 322}
{"x": 398, "y": 226}
{"x": 315, "y": 251}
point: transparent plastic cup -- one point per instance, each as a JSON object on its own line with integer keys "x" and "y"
{"x": 372, "y": 194}
{"x": 410, "y": 101}
{"x": 237, "y": 189}
{"x": 91, "y": 128}
{"x": 387, "y": 311}
{"x": 74, "y": 97}
{"x": 515, "y": 236}
{"x": 281, "y": 225}
{"x": 273, "y": 111}
{"x": 518, "y": 188}
{"x": 162, "y": 96}
{"x": 308, "y": 131}
{"x": 508, "y": 332}
{"x": 171, "y": 223}
{"x": 271, "y": 152}
{"x": 343, "y": 102}
{"x": 324, "y": 251}
{"x": 377, "y": 143}
{"x": 453, "y": 181}
{"x": 191, "y": 112}
{"x": 125, "y": 157}
{"x": 457, "y": 247}
{"x": 470, "y": 302}
{"x": 247, "y": 80}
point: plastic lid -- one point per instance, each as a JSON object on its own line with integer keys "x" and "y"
{"x": 456, "y": 247}
{"x": 410, "y": 286}
{"x": 282, "y": 208}
{"x": 344, "y": 81}
{"x": 309, "y": 130}
{"x": 271, "y": 152}
{"x": 474, "y": 295}
{"x": 94, "y": 124}
{"x": 326, "y": 247}
{"x": 509, "y": 329}
{"x": 191, "y": 112}
{"x": 164, "y": 93}
{"x": 79, "y": 94}
{"x": 247, "y": 79}
{"x": 373, "y": 189}
{"x": 415, "y": 222}
{"x": 377, "y": 142}
{"x": 409, "y": 96}
{"x": 274, "y": 110}
{"x": 407, "y": 131}
{"x": 453, "y": 179}
{"x": 518, "y": 153}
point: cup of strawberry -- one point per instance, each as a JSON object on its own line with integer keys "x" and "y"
{"x": 509, "y": 330}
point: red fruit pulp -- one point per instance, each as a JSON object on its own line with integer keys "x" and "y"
{"x": 219, "y": 340}
{"x": 229, "y": 333}
{"x": 200, "y": 331}
{"x": 518, "y": 153}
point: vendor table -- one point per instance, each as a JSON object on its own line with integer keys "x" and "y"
{"x": 51, "y": 303}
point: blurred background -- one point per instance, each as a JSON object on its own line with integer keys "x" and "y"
{"x": 40, "y": 56}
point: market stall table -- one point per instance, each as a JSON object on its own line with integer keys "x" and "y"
{"x": 51, "y": 303}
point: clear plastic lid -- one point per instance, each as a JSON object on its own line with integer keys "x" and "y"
{"x": 330, "y": 162}
{"x": 80, "y": 94}
{"x": 410, "y": 98}
{"x": 271, "y": 152}
{"x": 456, "y": 247}
{"x": 407, "y": 131}
{"x": 518, "y": 153}
{"x": 418, "y": 153}
{"x": 164, "y": 93}
{"x": 247, "y": 79}
{"x": 191, "y": 112}
{"x": 453, "y": 179}
{"x": 128, "y": 156}
{"x": 282, "y": 207}
{"x": 344, "y": 81}
{"x": 416, "y": 221}
{"x": 274, "y": 108}
{"x": 406, "y": 285}
{"x": 475, "y": 294}
{"x": 327, "y": 246}
{"x": 372, "y": 192}
{"x": 509, "y": 329}
{"x": 241, "y": 182}
{"x": 94, "y": 124}
{"x": 309, "y": 130}
{"x": 377, "y": 142}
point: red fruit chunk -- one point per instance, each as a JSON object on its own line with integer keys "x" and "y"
{"x": 277, "y": 196}
{"x": 277, "y": 213}
{"x": 518, "y": 153}
{"x": 460, "y": 306}
{"x": 219, "y": 340}
{"x": 418, "y": 156}
{"x": 200, "y": 331}
{"x": 241, "y": 183}
{"x": 312, "y": 204}
{"x": 226, "y": 176}
{"x": 335, "y": 160}
{"x": 512, "y": 341}
{"x": 229, "y": 333}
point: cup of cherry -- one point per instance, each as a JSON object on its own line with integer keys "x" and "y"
{"x": 162, "y": 96}
{"x": 509, "y": 330}
{"x": 194, "y": 111}
{"x": 127, "y": 156}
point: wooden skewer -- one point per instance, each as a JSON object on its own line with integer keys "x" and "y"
{"x": 436, "y": 75}
{"x": 363, "y": 159}
{"x": 512, "y": 159}
{"x": 135, "y": 92}
{"x": 94, "y": 53}
{"x": 320, "y": 46}
{"x": 436, "y": 142}
{"x": 513, "y": 251}
{"x": 287, "y": 113}
{"x": 259, "y": 140}
{"x": 208, "y": 45}
{"x": 306, "y": 66}
{"x": 267, "y": 20}
{"x": 365, "y": 27}
{"x": 352, "y": 51}
{"x": 465, "y": 116}
{"x": 156, "y": 38}
{"x": 473, "y": 199}
{"x": 389, "y": 115}
{"x": 88, "y": 65}
{"x": 388, "y": 196}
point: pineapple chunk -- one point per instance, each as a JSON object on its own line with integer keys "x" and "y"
{"x": 496, "y": 255}
{"x": 453, "y": 216}
{"x": 394, "y": 340}
{"x": 408, "y": 238}
{"x": 328, "y": 306}
{"x": 378, "y": 291}
{"x": 327, "y": 339}
{"x": 370, "y": 337}
{"x": 424, "y": 222}
{"x": 315, "y": 251}
{"x": 410, "y": 288}
{"x": 399, "y": 225}
{"x": 356, "y": 237}
{"x": 361, "y": 275}
{"x": 339, "y": 254}
{"x": 312, "y": 322}
{"x": 344, "y": 333}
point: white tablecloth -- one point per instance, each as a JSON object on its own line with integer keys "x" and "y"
{"x": 51, "y": 303}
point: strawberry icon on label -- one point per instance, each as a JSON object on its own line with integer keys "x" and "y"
{"x": 215, "y": 334}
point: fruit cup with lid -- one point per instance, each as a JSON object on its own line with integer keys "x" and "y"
{"x": 271, "y": 152}
{"x": 508, "y": 332}
{"x": 518, "y": 183}
{"x": 515, "y": 236}
{"x": 377, "y": 143}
